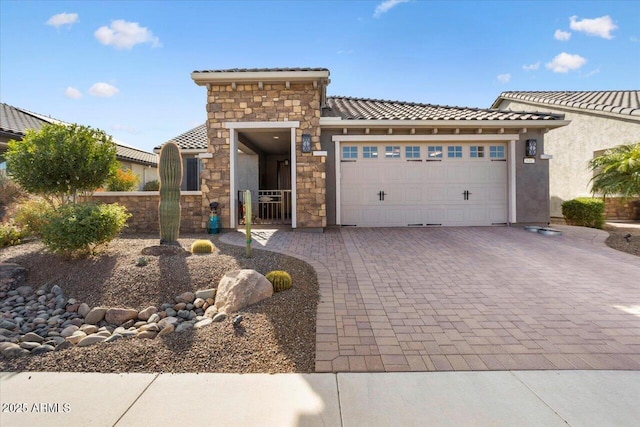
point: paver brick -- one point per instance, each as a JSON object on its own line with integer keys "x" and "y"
{"x": 470, "y": 298}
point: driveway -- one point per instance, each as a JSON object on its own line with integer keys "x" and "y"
{"x": 468, "y": 298}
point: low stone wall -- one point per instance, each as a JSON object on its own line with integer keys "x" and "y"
{"x": 616, "y": 208}
{"x": 143, "y": 206}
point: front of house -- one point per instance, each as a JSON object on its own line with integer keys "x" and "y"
{"x": 313, "y": 161}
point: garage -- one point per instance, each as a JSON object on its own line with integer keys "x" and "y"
{"x": 423, "y": 184}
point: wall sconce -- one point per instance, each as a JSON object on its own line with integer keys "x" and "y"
{"x": 531, "y": 147}
{"x": 306, "y": 143}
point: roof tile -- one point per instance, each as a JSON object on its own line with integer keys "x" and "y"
{"x": 16, "y": 121}
{"x": 625, "y": 102}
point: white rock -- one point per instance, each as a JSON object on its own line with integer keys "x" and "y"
{"x": 198, "y": 302}
{"x": 76, "y": 337}
{"x": 90, "y": 340}
{"x": 68, "y": 331}
{"x": 89, "y": 329}
{"x": 241, "y": 288}
{"x": 204, "y": 322}
{"x": 211, "y": 312}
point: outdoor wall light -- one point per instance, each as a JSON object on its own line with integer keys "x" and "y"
{"x": 531, "y": 147}
{"x": 306, "y": 143}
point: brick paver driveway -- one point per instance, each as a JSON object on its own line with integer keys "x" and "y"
{"x": 468, "y": 298}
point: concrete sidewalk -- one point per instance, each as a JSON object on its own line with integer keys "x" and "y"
{"x": 506, "y": 398}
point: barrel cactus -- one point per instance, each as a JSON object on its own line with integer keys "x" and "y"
{"x": 170, "y": 170}
{"x": 202, "y": 247}
{"x": 281, "y": 280}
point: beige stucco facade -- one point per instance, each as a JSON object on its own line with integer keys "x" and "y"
{"x": 573, "y": 146}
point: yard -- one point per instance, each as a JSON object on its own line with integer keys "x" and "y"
{"x": 276, "y": 335}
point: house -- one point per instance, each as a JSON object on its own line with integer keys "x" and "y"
{"x": 14, "y": 123}
{"x": 599, "y": 120}
{"x": 312, "y": 160}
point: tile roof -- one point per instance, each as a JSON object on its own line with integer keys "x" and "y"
{"x": 193, "y": 139}
{"x": 375, "y": 109}
{"x": 15, "y": 121}
{"x": 625, "y": 102}
{"x": 259, "y": 70}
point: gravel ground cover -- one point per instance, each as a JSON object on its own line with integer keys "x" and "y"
{"x": 624, "y": 239}
{"x": 276, "y": 335}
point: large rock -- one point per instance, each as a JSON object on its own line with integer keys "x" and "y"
{"x": 241, "y": 288}
{"x": 118, "y": 316}
{"x": 147, "y": 312}
{"x": 95, "y": 315}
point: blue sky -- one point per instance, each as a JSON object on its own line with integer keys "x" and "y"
{"x": 124, "y": 66}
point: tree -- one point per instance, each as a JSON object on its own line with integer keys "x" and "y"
{"x": 59, "y": 161}
{"x": 123, "y": 180}
{"x": 617, "y": 171}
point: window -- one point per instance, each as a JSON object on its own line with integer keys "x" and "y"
{"x": 349, "y": 152}
{"x": 434, "y": 152}
{"x": 369, "y": 152}
{"x": 392, "y": 152}
{"x": 477, "y": 151}
{"x": 412, "y": 152}
{"x": 454, "y": 151}
{"x": 496, "y": 152}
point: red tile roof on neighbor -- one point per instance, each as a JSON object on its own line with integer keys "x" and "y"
{"x": 14, "y": 122}
{"x": 626, "y": 102}
{"x": 374, "y": 109}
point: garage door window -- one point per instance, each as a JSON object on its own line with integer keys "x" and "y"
{"x": 477, "y": 151}
{"x": 435, "y": 151}
{"x": 454, "y": 151}
{"x": 412, "y": 152}
{"x": 392, "y": 152}
{"x": 369, "y": 152}
{"x": 496, "y": 152}
{"x": 349, "y": 152}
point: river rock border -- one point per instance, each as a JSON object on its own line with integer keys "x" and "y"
{"x": 34, "y": 322}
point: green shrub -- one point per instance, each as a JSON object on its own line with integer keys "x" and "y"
{"x": 123, "y": 180}
{"x": 79, "y": 229}
{"x": 31, "y": 214}
{"x": 584, "y": 211}
{"x": 202, "y": 247}
{"x": 281, "y": 280}
{"x": 152, "y": 186}
{"x": 10, "y": 235}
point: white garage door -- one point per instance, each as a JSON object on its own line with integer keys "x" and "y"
{"x": 384, "y": 185}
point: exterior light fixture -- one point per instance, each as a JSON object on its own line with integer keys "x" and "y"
{"x": 531, "y": 147}
{"x": 306, "y": 143}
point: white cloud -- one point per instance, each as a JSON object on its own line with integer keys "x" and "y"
{"x": 72, "y": 92}
{"x": 123, "y": 128}
{"x": 565, "y": 62}
{"x": 125, "y": 35}
{"x": 104, "y": 90}
{"x": 531, "y": 67}
{"x": 504, "y": 78}
{"x": 63, "y": 19}
{"x": 562, "y": 35}
{"x": 385, "y": 6}
{"x": 593, "y": 72}
{"x": 600, "y": 27}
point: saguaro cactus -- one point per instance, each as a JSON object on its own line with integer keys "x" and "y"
{"x": 170, "y": 170}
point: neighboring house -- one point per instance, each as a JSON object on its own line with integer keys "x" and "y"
{"x": 599, "y": 120}
{"x": 314, "y": 161}
{"x": 14, "y": 123}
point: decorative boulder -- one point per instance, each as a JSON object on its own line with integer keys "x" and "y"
{"x": 240, "y": 288}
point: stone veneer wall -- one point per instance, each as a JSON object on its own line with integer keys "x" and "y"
{"x": 274, "y": 102}
{"x": 144, "y": 209}
{"x": 616, "y": 208}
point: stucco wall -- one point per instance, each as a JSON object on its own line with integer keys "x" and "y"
{"x": 573, "y": 146}
{"x": 532, "y": 182}
{"x": 144, "y": 173}
{"x": 143, "y": 206}
{"x": 273, "y": 102}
